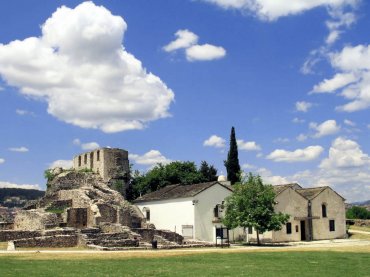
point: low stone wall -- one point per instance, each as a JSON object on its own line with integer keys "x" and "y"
{"x": 6, "y": 235}
{"x": 6, "y": 225}
{"x": 148, "y": 235}
{"x": 48, "y": 241}
{"x": 361, "y": 222}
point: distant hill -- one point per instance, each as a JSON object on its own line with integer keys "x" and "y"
{"x": 362, "y": 203}
{"x": 13, "y": 197}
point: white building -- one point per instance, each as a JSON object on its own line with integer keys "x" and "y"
{"x": 193, "y": 211}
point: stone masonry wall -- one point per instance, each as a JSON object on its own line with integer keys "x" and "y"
{"x": 48, "y": 241}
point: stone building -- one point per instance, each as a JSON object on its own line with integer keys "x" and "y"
{"x": 315, "y": 214}
{"x": 112, "y": 164}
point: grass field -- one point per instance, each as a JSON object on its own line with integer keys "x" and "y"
{"x": 289, "y": 263}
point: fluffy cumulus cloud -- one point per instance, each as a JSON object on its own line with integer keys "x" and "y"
{"x": 18, "y": 186}
{"x": 303, "y": 106}
{"x": 187, "y": 40}
{"x": 66, "y": 164}
{"x": 352, "y": 81}
{"x": 85, "y": 74}
{"x": 2, "y": 161}
{"x": 272, "y": 9}
{"x": 345, "y": 153}
{"x": 150, "y": 158}
{"x": 87, "y": 145}
{"x": 21, "y": 149}
{"x": 326, "y": 128}
{"x": 215, "y": 141}
{"x": 299, "y": 155}
{"x": 248, "y": 145}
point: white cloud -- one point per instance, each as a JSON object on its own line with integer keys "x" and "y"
{"x": 194, "y": 52}
{"x": 326, "y": 128}
{"x": 353, "y": 78}
{"x": 84, "y": 72}
{"x": 269, "y": 178}
{"x": 21, "y": 149}
{"x": 205, "y": 52}
{"x": 184, "y": 39}
{"x": 281, "y": 140}
{"x": 2, "y": 161}
{"x": 1, "y": 88}
{"x": 215, "y": 141}
{"x": 248, "y": 145}
{"x": 338, "y": 81}
{"x": 17, "y": 186}
{"x": 345, "y": 153}
{"x": 349, "y": 123}
{"x": 271, "y": 10}
{"x": 298, "y": 120}
{"x": 301, "y": 137}
{"x": 66, "y": 164}
{"x": 150, "y": 158}
{"x": 86, "y": 146}
{"x": 299, "y": 155}
{"x": 248, "y": 166}
{"x": 24, "y": 112}
{"x": 302, "y": 106}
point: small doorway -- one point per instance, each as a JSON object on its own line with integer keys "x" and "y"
{"x": 303, "y": 230}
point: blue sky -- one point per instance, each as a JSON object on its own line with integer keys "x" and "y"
{"x": 167, "y": 79}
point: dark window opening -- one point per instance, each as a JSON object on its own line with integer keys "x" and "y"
{"x": 250, "y": 230}
{"x": 323, "y": 209}
{"x": 98, "y": 155}
{"x": 296, "y": 229}
{"x": 215, "y": 212}
{"x": 85, "y": 159}
{"x": 289, "y": 228}
{"x": 79, "y": 160}
{"x": 148, "y": 215}
{"x": 332, "y": 225}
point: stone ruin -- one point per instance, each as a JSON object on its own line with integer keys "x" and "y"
{"x": 81, "y": 208}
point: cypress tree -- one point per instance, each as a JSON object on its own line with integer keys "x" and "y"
{"x": 232, "y": 162}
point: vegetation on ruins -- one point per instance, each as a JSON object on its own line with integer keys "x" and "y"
{"x": 356, "y": 212}
{"x": 177, "y": 172}
{"x": 252, "y": 205}
{"x": 232, "y": 163}
{"x": 48, "y": 174}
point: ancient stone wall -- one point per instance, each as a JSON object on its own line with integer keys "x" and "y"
{"x": 48, "y": 241}
{"x": 6, "y": 235}
{"x": 77, "y": 217}
{"x": 149, "y": 234}
{"x": 107, "y": 214}
{"x": 35, "y": 220}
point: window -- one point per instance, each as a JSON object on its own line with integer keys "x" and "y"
{"x": 215, "y": 212}
{"x": 79, "y": 160}
{"x": 250, "y": 230}
{"x": 332, "y": 225}
{"x": 323, "y": 209}
{"x": 98, "y": 155}
{"x": 296, "y": 229}
{"x": 289, "y": 228}
{"x": 85, "y": 159}
{"x": 148, "y": 215}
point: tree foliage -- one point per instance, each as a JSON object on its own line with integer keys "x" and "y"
{"x": 356, "y": 212}
{"x": 232, "y": 163}
{"x": 185, "y": 173}
{"x": 252, "y": 205}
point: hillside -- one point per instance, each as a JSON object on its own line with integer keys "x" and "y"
{"x": 13, "y": 197}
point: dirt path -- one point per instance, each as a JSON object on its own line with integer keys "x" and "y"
{"x": 333, "y": 245}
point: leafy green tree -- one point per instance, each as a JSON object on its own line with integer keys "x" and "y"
{"x": 208, "y": 172}
{"x": 252, "y": 205}
{"x": 185, "y": 173}
{"x": 356, "y": 212}
{"x": 232, "y": 163}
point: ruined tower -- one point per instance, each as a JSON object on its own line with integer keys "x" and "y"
{"x": 111, "y": 164}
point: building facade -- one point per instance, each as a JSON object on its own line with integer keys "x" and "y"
{"x": 315, "y": 214}
{"x": 193, "y": 211}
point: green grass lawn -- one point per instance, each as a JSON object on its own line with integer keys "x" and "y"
{"x": 298, "y": 264}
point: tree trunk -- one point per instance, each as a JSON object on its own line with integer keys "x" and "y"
{"x": 258, "y": 237}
